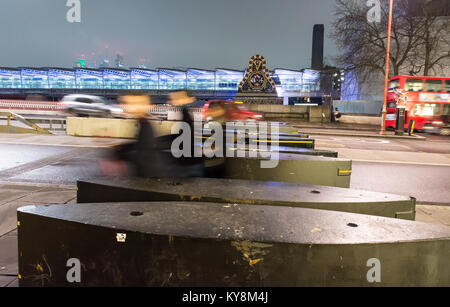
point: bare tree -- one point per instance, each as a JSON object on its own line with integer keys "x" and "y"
{"x": 417, "y": 40}
{"x": 433, "y": 52}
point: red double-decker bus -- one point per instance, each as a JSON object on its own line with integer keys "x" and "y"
{"x": 428, "y": 98}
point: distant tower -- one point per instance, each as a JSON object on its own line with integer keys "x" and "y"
{"x": 119, "y": 61}
{"x": 317, "y": 47}
{"x": 104, "y": 64}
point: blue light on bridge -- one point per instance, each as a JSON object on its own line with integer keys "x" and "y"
{"x": 144, "y": 79}
{"x": 116, "y": 79}
{"x": 224, "y": 80}
{"x": 61, "y": 78}
{"x": 34, "y": 78}
{"x": 200, "y": 80}
{"x": 172, "y": 80}
{"x": 89, "y": 79}
{"x": 10, "y": 78}
{"x": 228, "y": 80}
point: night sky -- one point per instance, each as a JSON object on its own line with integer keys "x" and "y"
{"x": 163, "y": 33}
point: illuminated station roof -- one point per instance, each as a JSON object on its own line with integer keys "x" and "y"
{"x": 195, "y": 79}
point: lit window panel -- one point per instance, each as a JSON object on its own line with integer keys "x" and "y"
{"x": 61, "y": 78}
{"x": 34, "y": 78}
{"x": 116, "y": 79}
{"x": 10, "y": 78}
{"x": 89, "y": 79}
{"x": 228, "y": 80}
{"x": 172, "y": 80}
{"x": 143, "y": 79}
{"x": 200, "y": 80}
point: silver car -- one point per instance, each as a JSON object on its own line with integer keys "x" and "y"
{"x": 90, "y": 105}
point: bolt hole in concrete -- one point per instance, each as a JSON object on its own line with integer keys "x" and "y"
{"x": 175, "y": 183}
{"x": 352, "y": 225}
{"x": 315, "y": 192}
{"x": 136, "y": 213}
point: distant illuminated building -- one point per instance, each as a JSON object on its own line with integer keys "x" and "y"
{"x": 104, "y": 64}
{"x": 119, "y": 61}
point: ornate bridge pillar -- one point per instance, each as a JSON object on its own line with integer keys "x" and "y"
{"x": 257, "y": 85}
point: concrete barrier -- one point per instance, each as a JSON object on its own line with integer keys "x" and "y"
{"x": 113, "y": 128}
{"x": 319, "y": 114}
{"x": 280, "y": 111}
{"x": 359, "y": 106}
{"x": 128, "y": 128}
{"x": 294, "y": 168}
{"x": 246, "y": 192}
{"x": 361, "y": 119}
{"x": 102, "y": 127}
{"x": 308, "y": 113}
{"x": 224, "y": 245}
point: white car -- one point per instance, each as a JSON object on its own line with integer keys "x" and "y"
{"x": 89, "y": 105}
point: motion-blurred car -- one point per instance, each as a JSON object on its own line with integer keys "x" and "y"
{"x": 440, "y": 125}
{"x": 89, "y": 105}
{"x": 234, "y": 111}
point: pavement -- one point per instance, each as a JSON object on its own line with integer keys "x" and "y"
{"x": 341, "y": 129}
{"x": 25, "y": 160}
{"x": 12, "y": 196}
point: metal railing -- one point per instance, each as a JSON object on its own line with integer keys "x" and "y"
{"x": 10, "y": 116}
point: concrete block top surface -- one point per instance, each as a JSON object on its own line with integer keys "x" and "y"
{"x": 266, "y": 224}
{"x": 244, "y": 191}
{"x": 298, "y": 157}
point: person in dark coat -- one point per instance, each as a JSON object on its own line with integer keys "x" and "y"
{"x": 188, "y": 166}
{"x": 142, "y": 157}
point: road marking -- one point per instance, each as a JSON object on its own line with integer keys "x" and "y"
{"x": 293, "y": 142}
{"x": 63, "y": 145}
{"x": 400, "y": 162}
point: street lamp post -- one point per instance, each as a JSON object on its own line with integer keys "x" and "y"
{"x": 386, "y": 76}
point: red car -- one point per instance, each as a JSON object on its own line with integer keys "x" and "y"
{"x": 234, "y": 111}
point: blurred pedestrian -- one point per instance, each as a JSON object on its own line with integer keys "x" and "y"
{"x": 217, "y": 112}
{"x": 188, "y": 166}
{"x": 141, "y": 156}
{"x": 181, "y": 99}
{"x": 337, "y": 115}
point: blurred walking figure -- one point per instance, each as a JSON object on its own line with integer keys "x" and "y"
{"x": 141, "y": 157}
{"x": 217, "y": 112}
{"x": 337, "y": 115}
{"x": 181, "y": 99}
{"x": 188, "y": 166}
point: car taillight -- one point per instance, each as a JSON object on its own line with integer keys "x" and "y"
{"x": 437, "y": 122}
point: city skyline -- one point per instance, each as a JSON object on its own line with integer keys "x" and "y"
{"x": 164, "y": 33}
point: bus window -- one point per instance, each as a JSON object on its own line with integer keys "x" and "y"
{"x": 418, "y": 109}
{"x": 447, "y": 86}
{"x": 433, "y": 85}
{"x": 414, "y": 85}
{"x": 394, "y": 84}
{"x": 430, "y": 109}
{"x": 446, "y": 109}
{"x": 391, "y": 105}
